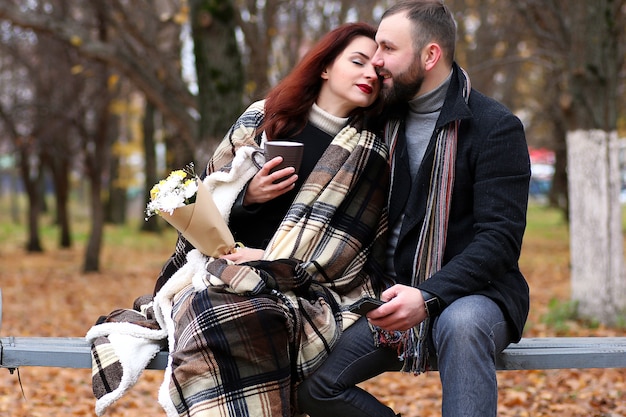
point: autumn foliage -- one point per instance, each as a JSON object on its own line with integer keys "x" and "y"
{"x": 47, "y": 295}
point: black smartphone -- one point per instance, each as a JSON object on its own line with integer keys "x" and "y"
{"x": 364, "y": 305}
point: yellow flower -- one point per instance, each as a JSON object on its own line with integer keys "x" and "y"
{"x": 179, "y": 173}
{"x": 154, "y": 191}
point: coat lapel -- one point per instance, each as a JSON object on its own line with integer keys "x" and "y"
{"x": 401, "y": 182}
{"x": 406, "y": 192}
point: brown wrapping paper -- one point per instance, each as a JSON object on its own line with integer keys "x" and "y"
{"x": 202, "y": 224}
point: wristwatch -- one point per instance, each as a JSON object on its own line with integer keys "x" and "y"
{"x": 432, "y": 306}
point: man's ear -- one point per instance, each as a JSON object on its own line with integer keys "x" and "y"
{"x": 431, "y": 54}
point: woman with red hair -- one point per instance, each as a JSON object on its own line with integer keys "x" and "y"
{"x": 245, "y": 329}
{"x": 333, "y": 83}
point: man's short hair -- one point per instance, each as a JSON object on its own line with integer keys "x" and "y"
{"x": 432, "y": 22}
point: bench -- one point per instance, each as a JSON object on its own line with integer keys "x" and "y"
{"x": 528, "y": 354}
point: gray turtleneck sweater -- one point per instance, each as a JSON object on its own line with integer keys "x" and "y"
{"x": 420, "y": 123}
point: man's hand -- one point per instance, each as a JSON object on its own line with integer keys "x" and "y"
{"x": 404, "y": 308}
{"x": 262, "y": 187}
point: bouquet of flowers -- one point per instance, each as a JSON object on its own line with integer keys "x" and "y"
{"x": 185, "y": 202}
{"x": 177, "y": 190}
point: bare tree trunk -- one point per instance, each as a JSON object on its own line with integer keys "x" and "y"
{"x": 218, "y": 68}
{"x": 259, "y": 32}
{"x": 115, "y": 212}
{"x": 94, "y": 244}
{"x": 62, "y": 190}
{"x": 149, "y": 151}
{"x": 595, "y": 214}
{"x": 116, "y": 204}
{"x": 559, "y": 193}
{"x": 98, "y": 161}
{"x": 598, "y": 281}
{"x": 14, "y": 193}
{"x": 98, "y": 157}
{"x": 32, "y": 176}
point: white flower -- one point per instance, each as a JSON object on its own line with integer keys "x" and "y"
{"x": 177, "y": 190}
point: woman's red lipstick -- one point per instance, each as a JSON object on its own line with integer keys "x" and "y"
{"x": 367, "y": 89}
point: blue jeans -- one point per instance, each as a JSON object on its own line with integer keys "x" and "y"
{"x": 466, "y": 338}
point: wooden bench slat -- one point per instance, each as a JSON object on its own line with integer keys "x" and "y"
{"x": 530, "y": 353}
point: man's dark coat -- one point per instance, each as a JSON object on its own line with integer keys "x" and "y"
{"x": 488, "y": 210}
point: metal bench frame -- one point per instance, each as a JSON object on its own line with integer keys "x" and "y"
{"x": 529, "y": 353}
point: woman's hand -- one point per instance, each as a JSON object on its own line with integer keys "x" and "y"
{"x": 265, "y": 186}
{"x": 241, "y": 255}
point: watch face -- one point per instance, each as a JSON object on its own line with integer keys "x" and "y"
{"x": 432, "y": 307}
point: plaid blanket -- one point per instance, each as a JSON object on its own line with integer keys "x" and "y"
{"x": 122, "y": 345}
{"x": 241, "y": 337}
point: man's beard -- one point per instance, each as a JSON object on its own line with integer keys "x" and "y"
{"x": 405, "y": 85}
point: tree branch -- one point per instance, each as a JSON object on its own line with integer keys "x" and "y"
{"x": 173, "y": 103}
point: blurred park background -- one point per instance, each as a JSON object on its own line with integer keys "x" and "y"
{"x": 99, "y": 100}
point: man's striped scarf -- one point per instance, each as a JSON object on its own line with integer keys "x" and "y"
{"x": 239, "y": 348}
{"x": 413, "y": 345}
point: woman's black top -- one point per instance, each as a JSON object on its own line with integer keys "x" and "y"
{"x": 255, "y": 225}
